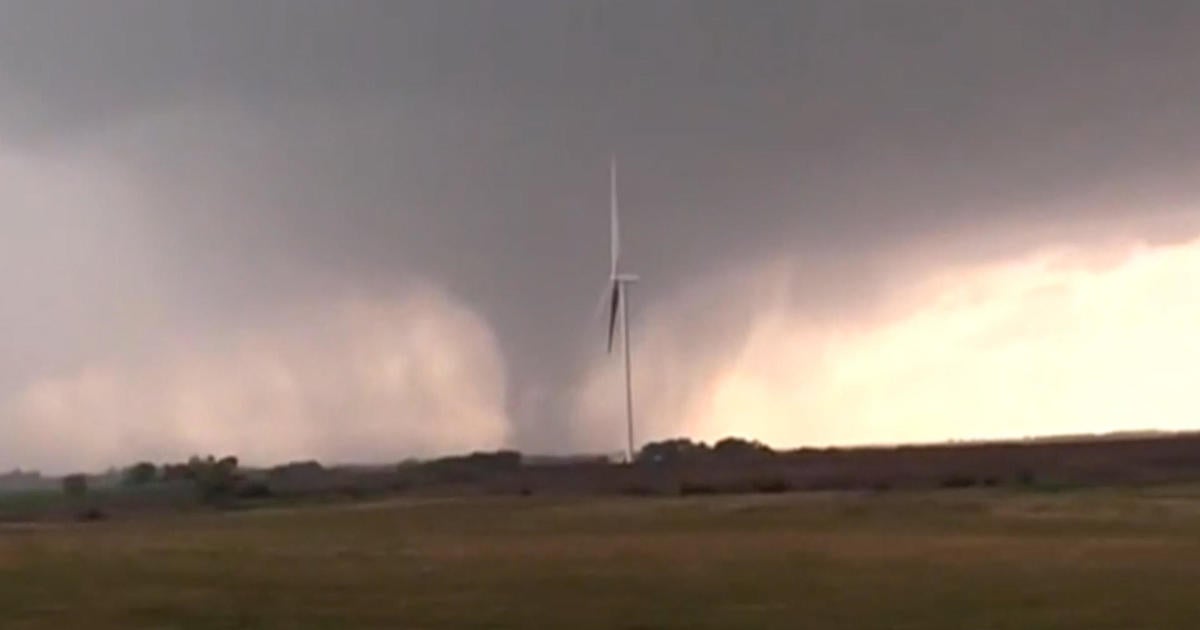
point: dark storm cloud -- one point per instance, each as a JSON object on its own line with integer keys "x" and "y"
{"x": 280, "y": 151}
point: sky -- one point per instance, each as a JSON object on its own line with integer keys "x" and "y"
{"x": 371, "y": 230}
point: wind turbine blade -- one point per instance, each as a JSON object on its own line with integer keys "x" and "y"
{"x": 616, "y": 222}
{"x": 602, "y": 303}
{"x": 612, "y": 318}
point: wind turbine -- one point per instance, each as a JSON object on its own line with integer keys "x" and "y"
{"x": 618, "y": 304}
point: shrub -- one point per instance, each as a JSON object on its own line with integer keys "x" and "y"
{"x": 91, "y": 514}
{"x": 75, "y": 486}
{"x": 687, "y": 488}
{"x": 772, "y": 485}
{"x": 958, "y": 481}
{"x": 637, "y": 490}
{"x": 1026, "y": 478}
{"x": 253, "y": 490}
{"x": 351, "y": 491}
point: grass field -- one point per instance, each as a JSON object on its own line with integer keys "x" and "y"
{"x": 1096, "y": 559}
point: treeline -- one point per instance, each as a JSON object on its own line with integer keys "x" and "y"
{"x": 222, "y": 480}
{"x": 211, "y": 478}
{"x": 470, "y": 468}
{"x": 682, "y": 450}
{"x": 661, "y": 468}
{"x": 681, "y": 465}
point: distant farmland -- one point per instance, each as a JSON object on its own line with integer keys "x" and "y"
{"x": 1000, "y": 559}
{"x": 670, "y": 468}
{"x": 1089, "y": 534}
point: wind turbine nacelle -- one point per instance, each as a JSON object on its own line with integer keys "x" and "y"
{"x": 626, "y": 278}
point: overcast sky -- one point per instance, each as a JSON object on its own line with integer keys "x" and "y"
{"x": 367, "y": 230}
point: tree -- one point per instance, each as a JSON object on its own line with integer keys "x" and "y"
{"x": 474, "y": 467}
{"x": 75, "y": 486}
{"x": 214, "y": 479}
{"x": 672, "y": 451}
{"x": 140, "y": 474}
{"x": 739, "y": 449}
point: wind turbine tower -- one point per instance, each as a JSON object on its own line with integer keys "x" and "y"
{"x": 619, "y": 305}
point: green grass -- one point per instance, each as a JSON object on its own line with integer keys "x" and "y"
{"x": 1094, "y": 560}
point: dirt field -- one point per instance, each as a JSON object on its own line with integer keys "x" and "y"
{"x": 949, "y": 559}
